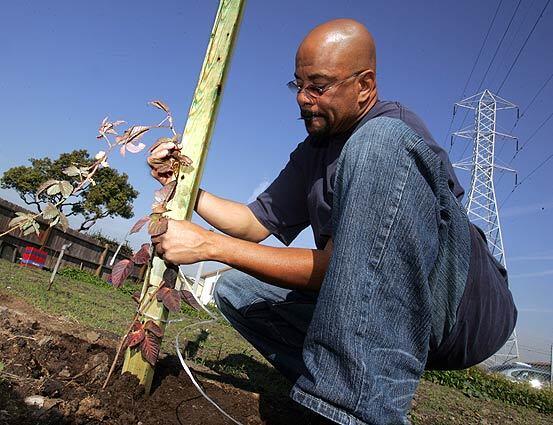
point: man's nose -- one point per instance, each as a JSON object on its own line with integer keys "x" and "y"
{"x": 303, "y": 99}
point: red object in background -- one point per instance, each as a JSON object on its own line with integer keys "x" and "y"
{"x": 34, "y": 257}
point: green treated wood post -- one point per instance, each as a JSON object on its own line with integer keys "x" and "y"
{"x": 196, "y": 138}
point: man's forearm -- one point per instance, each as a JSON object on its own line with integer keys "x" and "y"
{"x": 293, "y": 268}
{"x": 232, "y": 218}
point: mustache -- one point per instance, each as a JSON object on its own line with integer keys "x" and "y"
{"x": 308, "y": 115}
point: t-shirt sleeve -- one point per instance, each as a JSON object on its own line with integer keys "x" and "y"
{"x": 282, "y": 207}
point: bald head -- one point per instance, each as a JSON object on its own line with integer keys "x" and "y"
{"x": 343, "y": 44}
{"x": 335, "y": 76}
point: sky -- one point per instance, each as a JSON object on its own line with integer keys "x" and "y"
{"x": 65, "y": 65}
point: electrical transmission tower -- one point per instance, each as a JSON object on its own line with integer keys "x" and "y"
{"x": 481, "y": 202}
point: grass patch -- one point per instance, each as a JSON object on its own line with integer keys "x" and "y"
{"x": 475, "y": 382}
{"x": 94, "y": 303}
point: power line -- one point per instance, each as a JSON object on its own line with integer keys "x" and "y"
{"x": 499, "y": 45}
{"x": 482, "y": 47}
{"x": 526, "y": 143}
{"x": 535, "y": 96}
{"x": 503, "y": 57}
{"x": 523, "y": 46}
{"x": 545, "y": 161}
{"x": 526, "y": 109}
{"x": 473, "y": 67}
{"x": 490, "y": 65}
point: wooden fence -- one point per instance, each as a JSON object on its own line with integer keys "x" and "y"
{"x": 85, "y": 252}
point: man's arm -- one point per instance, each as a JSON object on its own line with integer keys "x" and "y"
{"x": 232, "y": 218}
{"x": 293, "y": 268}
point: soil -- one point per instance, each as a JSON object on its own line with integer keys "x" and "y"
{"x": 54, "y": 371}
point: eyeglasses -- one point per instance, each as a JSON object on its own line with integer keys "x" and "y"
{"x": 314, "y": 91}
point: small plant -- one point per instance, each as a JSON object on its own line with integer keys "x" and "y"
{"x": 146, "y": 336}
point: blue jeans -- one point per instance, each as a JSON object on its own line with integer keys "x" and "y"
{"x": 356, "y": 350}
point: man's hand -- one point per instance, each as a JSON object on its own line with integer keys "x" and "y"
{"x": 158, "y": 155}
{"x": 183, "y": 243}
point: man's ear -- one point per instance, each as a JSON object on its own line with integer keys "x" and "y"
{"x": 367, "y": 84}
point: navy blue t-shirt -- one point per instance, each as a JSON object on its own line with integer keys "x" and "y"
{"x": 302, "y": 193}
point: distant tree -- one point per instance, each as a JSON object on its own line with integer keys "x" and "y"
{"x": 110, "y": 194}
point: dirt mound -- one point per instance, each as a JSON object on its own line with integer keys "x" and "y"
{"x": 53, "y": 373}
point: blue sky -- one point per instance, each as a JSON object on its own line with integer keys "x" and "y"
{"x": 65, "y": 65}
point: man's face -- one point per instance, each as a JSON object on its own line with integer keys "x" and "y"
{"x": 336, "y": 109}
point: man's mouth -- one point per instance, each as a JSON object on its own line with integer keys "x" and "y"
{"x": 308, "y": 115}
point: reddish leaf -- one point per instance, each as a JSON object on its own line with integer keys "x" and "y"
{"x": 139, "y": 224}
{"x": 121, "y": 270}
{"x": 132, "y": 148}
{"x": 150, "y": 348}
{"x": 158, "y": 225}
{"x": 160, "y": 105}
{"x": 165, "y": 167}
{"x": 184, "y": 160}
{"x": 170, "y": 276}
{"x": 134, "y": 133}
{"x": 190, "y": 299}
{"x": 152, "y": 327}
{"x": 174, "y": 139}
{"x": 159, "y": 208}
{"x": 170, "y": 298}
{"x": 135, "y": 336}
{"x": 163, "y": 195}
{"x": 142, "y": 256}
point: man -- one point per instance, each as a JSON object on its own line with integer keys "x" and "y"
{"x": 399, "y": 281}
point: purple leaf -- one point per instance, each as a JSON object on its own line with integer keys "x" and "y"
{"x": 152, "y": 327}
{"x": 160, "y": 105}
{"x": 139, "y": 224}
{"x": 190, "y": 299}
{"x": 142, "y": 256}
{"x": 121, "y": 270}
{"x": 132, "y": 148}
{"x": 170, "y": 298}
{"x": 150, "y": 348}
{"x": 158, "y": 225}
{"x": 170, "y": 276}
{"x": 135, "y": 336}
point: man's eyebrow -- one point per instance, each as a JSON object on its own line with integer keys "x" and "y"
{"x": 315, "y": 76}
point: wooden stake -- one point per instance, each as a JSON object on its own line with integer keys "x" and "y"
{"x": 196, "y": 138}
